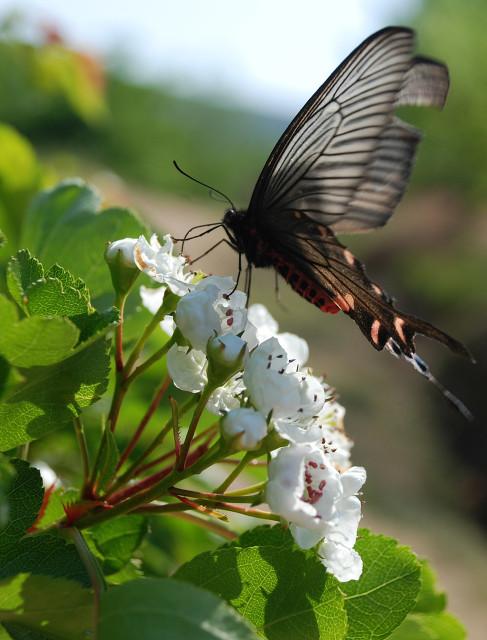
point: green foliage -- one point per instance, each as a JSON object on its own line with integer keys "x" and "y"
{"x": 20, "y": 177}
{"x": 108, "y": 458}
{"x": 40, "y": 603}
{"x": 7, "y": 476}
{"x": 146, "y": 608}
{"x": 51, "y": 396}
{"x": 386, "y": 591}
{"x": 429, "y": 620}
{"x": 64, "y": 226}
{"x": 117, "y": 540}
{"x": 24, "y": 498}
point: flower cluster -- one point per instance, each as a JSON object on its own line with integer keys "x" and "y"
{"x": 269, "y": 401}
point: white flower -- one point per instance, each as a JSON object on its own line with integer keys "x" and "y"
{"x": 261, "y": 326}
{"x": 211, "y": 309}
{"x": 158, "y": 262}
{"x": 245, "y": 428}
{"x": 152, "y": 299}
{"x": 226, "y": 350}
{"x": 331, "y": 433}
{"x": 292, "y": 396}
{"x": 320, "y": 503}
{"x": 123, "y": 250}
{"x": 225, "y": 398}
{"x": 187, "y": 368}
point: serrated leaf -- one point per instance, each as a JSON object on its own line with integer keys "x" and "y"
{"x": 265, "y": 535}
{"x": 44, "y": 554}
{"x": 24, "y": 499}
{"x": 117, "y": 540}
{"x": 52, "y": 396}
{"x": 151, "y": 609}
{"x": 387, "y": 590}
{"x": 47, "y": 210}
{"x": 37, "y": 341}
{"x": 40, "y": 603}
{"x": 22, "y": 271}
{"x": 285, "y": 592}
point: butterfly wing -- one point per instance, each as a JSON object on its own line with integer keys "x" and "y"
{"x": 345, "y": 159}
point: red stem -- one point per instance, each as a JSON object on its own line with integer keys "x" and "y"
{"x": 145, "y": 420}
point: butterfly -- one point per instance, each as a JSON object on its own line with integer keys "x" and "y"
{"x": 342, "y": 166}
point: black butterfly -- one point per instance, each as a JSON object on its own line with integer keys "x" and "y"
{"x": 342, "y": 165}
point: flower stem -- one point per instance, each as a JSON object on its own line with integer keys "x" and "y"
{"x": 210, "y": 525}
{"x": 160, "y": 353}
{"x": 145, "y": 420}
{"x": 139, "y": 345}
{"x": 207, "y": 495}
{"x": 200, "y": 407}
{"x": 92, "y": 568}
{"x": 83, "y": 447}
{"x": 253, "y": 488}
{"x": 121, "y": 298}
{"x": 236, "y": 472}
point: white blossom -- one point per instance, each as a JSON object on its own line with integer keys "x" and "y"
{"x": 290, "y": 395}
{"x": 158, "y": 262}
{"x": 320, "y": 503}
{"x": 187, "y": 368}
{"x": 245, "y": 428}
{"x": 261, "y": 326}
{"x": 226, "y": 398}
{"x": 152, "y": 299}
{"x": 211, "y": 309}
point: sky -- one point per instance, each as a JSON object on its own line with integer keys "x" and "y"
{"x": 270, "y": 55}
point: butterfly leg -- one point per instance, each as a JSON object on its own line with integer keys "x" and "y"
{"x": 224, "y": 240}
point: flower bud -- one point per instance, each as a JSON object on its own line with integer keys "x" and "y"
{"x": 119, "y": 256}
{"x": 225, "y": 357}
{"x": 244, "y": 428}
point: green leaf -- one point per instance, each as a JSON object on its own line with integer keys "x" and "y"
{"x": 117, "y": 539}
{"x": 7, "y": 477}
{"x": 54, "y": 509}
{"x": 387, "y": 590}
{"x": 59, "y": 608}
{"x": 36, "y": 341}
{"x": 52, "y": 396}
{"x": 430, "y": 626}
{"x": 152, "y": 609}
{"x": 22, "y": 271}
{"x": 68, "y": 230}
{"x": 430, "y": 600}
{"x": 50, "y": 207}
{"x": 47, "y": 555}
{"x": 428, "y": 620}
{"x": 24, "y": 499}
{"x": 283, "y": 591}
{"x": 107, "y": 460}
{"x": 55, "y": 293}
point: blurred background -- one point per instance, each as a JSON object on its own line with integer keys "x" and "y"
{"x": 113, "y": 92}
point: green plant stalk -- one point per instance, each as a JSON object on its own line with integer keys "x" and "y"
{"x": 253, "y": 488}
{"x": 235, "y": 473}
{"x": 160, "y": 353}
{"x": 92, "y": 567}
{"x": 154, "y": 492}
{"x": 135, "y": 466}
{"x": 83, "y": 447}
{"x": 200, "y": 407}
{"x": 210, "y": 525}
{"x": 206, "y": 495}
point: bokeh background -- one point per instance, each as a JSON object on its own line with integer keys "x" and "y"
{"x": 113, "y": 92}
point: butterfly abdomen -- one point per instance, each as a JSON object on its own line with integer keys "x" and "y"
{"x": 302, "y": 284}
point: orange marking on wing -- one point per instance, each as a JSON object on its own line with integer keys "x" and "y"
{"x": 374, "y": 331}
{"x": 350, "y": 300}
{"x": 377, "y": 289}
{"x": 349, "y": 257}
{"x": 340, "y": 301}
{"x": 398, "y": 325}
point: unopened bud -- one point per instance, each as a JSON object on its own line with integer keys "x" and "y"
{"x": 225, "y": 357}
{"x": 119, "y": 256}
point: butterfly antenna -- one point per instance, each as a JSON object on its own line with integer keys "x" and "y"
{"x": 203, "y": 184}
